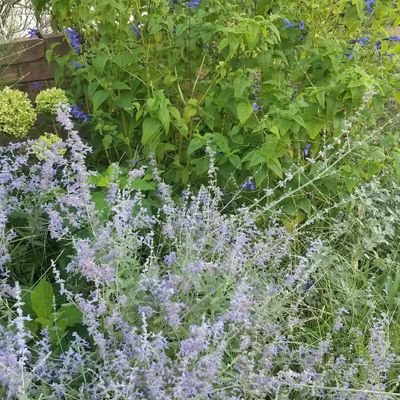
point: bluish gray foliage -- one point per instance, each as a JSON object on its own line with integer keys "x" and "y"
{"x": 190, "y": 303}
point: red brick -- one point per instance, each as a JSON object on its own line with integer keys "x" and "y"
{"x": 36, "y": 71}
{"x": 9, "y": 73}
{"x": 22, "y": 51}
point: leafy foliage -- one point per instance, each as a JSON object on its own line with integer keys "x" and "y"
{"x": 260, "y": 81}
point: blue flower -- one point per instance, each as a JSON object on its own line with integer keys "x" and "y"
{"x": 256, "y": 107}
{"x": 368, "y": 6}
{"x": 309, "y": 284}
{"x": 249, "y": 185}
{"x": 33, "y": 33}
{"x": 394, "y": 38}
{"x": 287, "y": 23}
{"x": 37, "y": 85}
{"x": 194, "y": 3}
{"x": 301, "y": 25}
{"x": 362, "y": 41}
{"x": 77, "y": 113}
{"x": 76, "y": 64}
{"x": 136, "y": 30}
{"x": 378, "y": 45}
{"x": 306, "y": 149}
{"x": 74, "y": 39}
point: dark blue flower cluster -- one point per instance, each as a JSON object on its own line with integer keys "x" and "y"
{"x": 306, "y": 149}
{"x": 33, "y": 33}
{"x": 78, "y": 113}
{"x": 288, "y": 24}
{"x": 249, "y": 185}
{"x": 256, "y": 93}
{"x": 76, "y": 64}
{"x": 136, "y": 30}
{"x": 37, "y": 85}
{"x": 74, "y": 39}
{"x": 362, "y": 41}
{"x": 194, "y": 3}
{"x": 369, "y": 6}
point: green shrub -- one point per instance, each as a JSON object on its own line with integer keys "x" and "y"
{"x": 267, "y": 84}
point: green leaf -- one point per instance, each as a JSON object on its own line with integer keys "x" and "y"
{"x": 99, "y": 98}
{"x": 222, "y": 44}
{"x": 42, "y": 299}
{"x": 195, "y": 144}
{"x": 239, "y": 85}
{"x": 44, "y": 322}
{"x": 163, "y": 115}
{"x": 244, "y": 110}
{"x": 255, "y": 158}
{"x": 92, "y": 87}
{"x": 396, "y": 163}
{"x": 120, "y": 86}
{"x": 304, "y": 204}
{"x": 142, "y": 185}
{"x": 151, "y": 127}
{"x": 100, "y": 200}
{"x": 99, "y": 62}
{"x": 235, "y": 160}
{"x": 175, "y": 113}
{"x": 40, "y": 5}
{"x": 107, "y": 140}
{"x": 124, "y": 100}
{"x": 233, "y": 45}
{"x": 71, "y": 314}
{"x": 275, "y": 166}
{"x": 190, "y": 110}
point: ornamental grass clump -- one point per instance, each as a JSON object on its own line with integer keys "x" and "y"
{"x": 17, "y": 115}
{"x": 185, "y": 303}
{"x": 49, "y": 100}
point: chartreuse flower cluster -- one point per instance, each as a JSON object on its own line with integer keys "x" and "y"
{"x": 17, "y": 114}
{"x": 49, "y": 100}
{"x": 47, "y": 142}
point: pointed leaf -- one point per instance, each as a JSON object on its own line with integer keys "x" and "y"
{"x": 244, "y": 110}
{"x": 163, "y": 115}
{"x": 195, "y": 144}
{"x": 99, "y": 98}
{"x": 42, "y": 299}
{"x": 239, "y": 85}
{"x": 151, "y": 127}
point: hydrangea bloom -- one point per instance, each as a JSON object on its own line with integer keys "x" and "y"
{"x": 49, "y": 100}
{"x": 17, "y": 115}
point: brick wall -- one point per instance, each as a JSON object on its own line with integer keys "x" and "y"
{"x": 23, "y": 63}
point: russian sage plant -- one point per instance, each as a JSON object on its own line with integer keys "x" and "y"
{"x": 188, "y": 303}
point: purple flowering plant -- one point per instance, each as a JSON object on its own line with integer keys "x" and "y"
{"x": 187, "y": 302}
